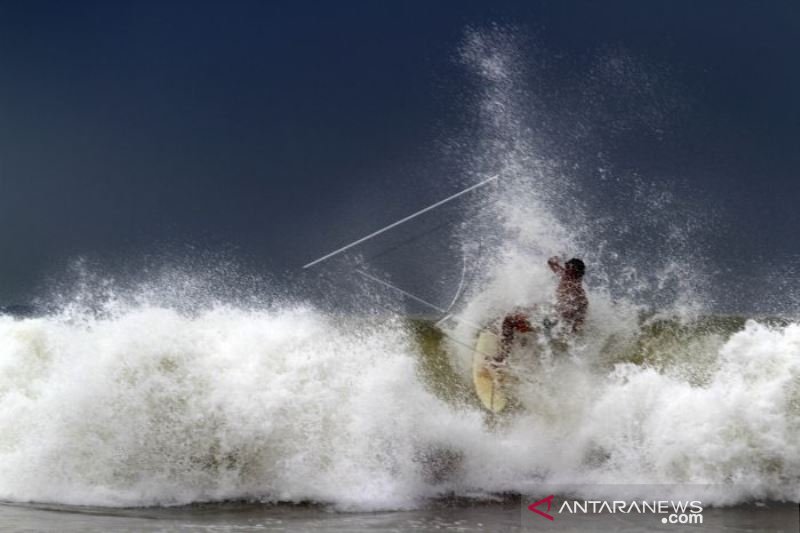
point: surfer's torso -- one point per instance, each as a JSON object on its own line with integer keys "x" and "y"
{"x": 571, "y": 302}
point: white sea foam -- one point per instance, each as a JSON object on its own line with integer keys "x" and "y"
{"x": 151, "y": 407}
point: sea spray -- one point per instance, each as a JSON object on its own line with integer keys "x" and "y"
{"x": 152, "y": 407}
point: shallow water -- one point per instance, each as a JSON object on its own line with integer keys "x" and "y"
{"x": 507, "y": 515}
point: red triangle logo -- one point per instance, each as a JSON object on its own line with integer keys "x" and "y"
{"x": 549, "y": 501}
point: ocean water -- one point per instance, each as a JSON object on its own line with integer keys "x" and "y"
{"x": 464, "y": 517}
{"x": 153, "y": 408}
{"x": 138, "y": 410}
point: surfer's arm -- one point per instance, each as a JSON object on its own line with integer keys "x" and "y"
{"x": 555, "y": 265}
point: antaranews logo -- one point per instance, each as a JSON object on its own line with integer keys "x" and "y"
{"x": 679, "y": 512}
{"x": 549, "y": 501}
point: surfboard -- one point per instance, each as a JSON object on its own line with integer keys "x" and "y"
{"x": 488, "y": 381}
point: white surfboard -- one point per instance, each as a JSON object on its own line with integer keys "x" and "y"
{"x": 487, "y": 378}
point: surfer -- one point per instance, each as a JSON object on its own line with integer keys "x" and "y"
{"x": 571, "y": 300}
{"x": 513, "y": 322}
{"x": 571, "y": 306}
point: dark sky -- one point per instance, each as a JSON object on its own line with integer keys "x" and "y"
{"x": 279, "y": 130}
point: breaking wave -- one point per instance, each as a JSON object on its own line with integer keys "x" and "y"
{"x": 148, "y": 403}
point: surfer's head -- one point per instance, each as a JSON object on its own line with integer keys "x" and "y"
{"x": 575, "y": 268}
